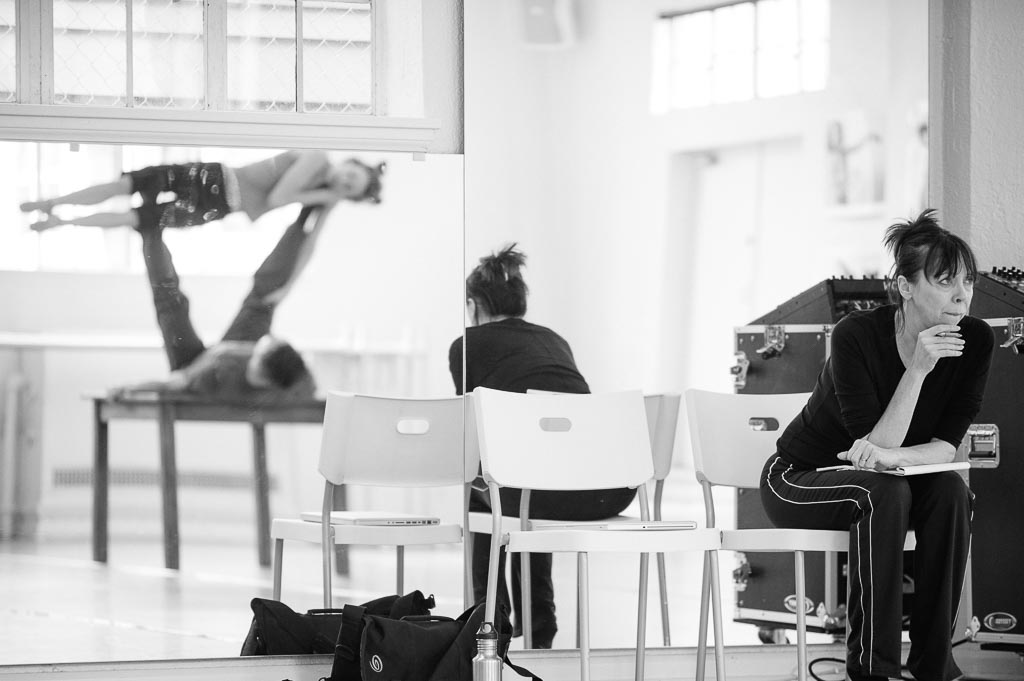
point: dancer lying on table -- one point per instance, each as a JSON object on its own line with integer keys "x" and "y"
{"x": 248, "y": 363}
{"x": 205, "y": 192}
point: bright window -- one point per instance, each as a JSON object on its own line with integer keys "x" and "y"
{"x": 310, "y": 56}
{"x": 8, "y": 51}
{"x": 740, "y": 52}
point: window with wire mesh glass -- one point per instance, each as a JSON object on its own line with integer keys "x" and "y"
{"x": 310, "y": 56}
{"x": 740, "y": 51}
{"x": 8, "y": 51}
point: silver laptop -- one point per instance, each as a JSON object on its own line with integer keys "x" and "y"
{"x": 371, "y": 518}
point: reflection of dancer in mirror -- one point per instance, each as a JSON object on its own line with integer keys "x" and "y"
{"x": 248, "y": 363}
{"x": 204, "y": 192}
{"x": 505, "y": 352}
{"x": 902, "y": 385}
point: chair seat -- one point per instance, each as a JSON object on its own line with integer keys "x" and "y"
{"x": 774, "y": 540}
{"x": 387, "y": 535}
{"x": 624, "y": 541}
{"x": 481, "y": 522}
{"x": 785, "y": 540}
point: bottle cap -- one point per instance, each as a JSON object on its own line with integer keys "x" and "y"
{"x": 487, "y": 631}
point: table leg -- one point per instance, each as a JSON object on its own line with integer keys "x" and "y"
{"x": 169, "y": 483}
{"x": 262, "y": 484}
{"x": 100, "y": 483}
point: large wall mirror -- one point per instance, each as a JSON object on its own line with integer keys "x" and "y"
{"x": 676, "y": 169}
{"x": 375, "y": 311}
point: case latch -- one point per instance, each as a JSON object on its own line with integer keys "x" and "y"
{"x": 774, "y": 342}
{"x": 739, "y": 370}
{"x": 1015, "y": 331}
{"x": 982, "y": 444}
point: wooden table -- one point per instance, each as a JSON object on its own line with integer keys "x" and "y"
{"x": 166, "y": 409}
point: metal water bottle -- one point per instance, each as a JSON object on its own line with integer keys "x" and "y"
{"x": 487, "y": 663}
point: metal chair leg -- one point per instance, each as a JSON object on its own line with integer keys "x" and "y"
{"x": 278, "y": 557}
{"x": 584, "y": 608}
{"x": 525, "y": 577}
{"x": 702, "y": 627}
{"x": 641, "y": 617}
{"x": 716, "y": 610}
{"x": 801, "y": 617}
{"x": 400, "y": 582}
{"x": 666, "y": 635}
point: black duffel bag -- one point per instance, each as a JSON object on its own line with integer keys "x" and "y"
{"x": 413, "y": 648}
{"x": 276, "y": 629}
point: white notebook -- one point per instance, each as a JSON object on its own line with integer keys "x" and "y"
{"x": 631, "y": 524}
{"x": 371, "y": 518}
{"x": 919, "y": 469}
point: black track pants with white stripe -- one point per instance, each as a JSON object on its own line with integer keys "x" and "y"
{"x": 878, "y": 510}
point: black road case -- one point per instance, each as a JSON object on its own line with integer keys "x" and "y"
{"x": 785, "y": 350}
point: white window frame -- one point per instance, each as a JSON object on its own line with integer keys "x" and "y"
{"x": 31, "y": 120}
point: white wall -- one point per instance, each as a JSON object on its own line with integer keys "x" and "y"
{"x": 996, "y": 137}
{"x": 564, "y": 155}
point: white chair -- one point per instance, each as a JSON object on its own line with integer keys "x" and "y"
{"x": 733, "y": 435}
{"x": 662, "y": 418}
{"x": 383, "y": 442}
{"x": 578, "y": 442}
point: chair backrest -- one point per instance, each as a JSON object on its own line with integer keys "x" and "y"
{"x": 394, "y": 442}
{"x": 662, "y": 418}
{"x": 563, "y": 441}
{"x": 734, "y": 434}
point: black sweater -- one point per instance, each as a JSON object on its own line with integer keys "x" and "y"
{"x": 515, "y": 355}
{"x": 860, "y": 378}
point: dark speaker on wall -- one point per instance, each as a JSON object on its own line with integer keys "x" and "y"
{"x": 548, "y": 23}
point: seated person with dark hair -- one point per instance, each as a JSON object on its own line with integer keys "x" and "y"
{"x": 506, "y": 352}
{"x": 248, "y": 363}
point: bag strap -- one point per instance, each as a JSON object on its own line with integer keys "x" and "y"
{"x": 426, "y": 618}
{"x": 522, "y": 671}
{"x": 350, "y": 633}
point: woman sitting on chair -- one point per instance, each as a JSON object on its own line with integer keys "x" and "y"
{"x": 902, "y": 384}
{"x": 505, "y": 352}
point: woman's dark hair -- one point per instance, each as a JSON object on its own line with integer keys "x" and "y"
{"x": 921, "y": 247}
{"x": 284, "y": 366}
{"x": 497, "y": 285}
{"x": 373, "y": 184}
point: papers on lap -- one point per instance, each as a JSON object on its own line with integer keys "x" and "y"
{"x": 919, "y": 469}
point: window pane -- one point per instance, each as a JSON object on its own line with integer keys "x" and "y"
{"x": 167, "y": 54}
{"x": 777, "y": 24}
{"x": 814, "y": 20}
{"x": 63, "y": 169}
{"x": 8, "y": 52}
{"x": 778, "y": 40}
{"x": 261, "y": 55}
{"x": 337, "y": 59}
{"x": 661, "y": 55}
{"x": 734, "y": 78}
{"x": 813, "y": 66}
{"x": 777, "y": 72}
{"x": 733, "y": 35}
{"x": 89, "y": 52}
{"x": 691, "y": 60}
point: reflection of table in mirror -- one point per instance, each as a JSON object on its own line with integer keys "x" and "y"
{"x": 167, "y": 409}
